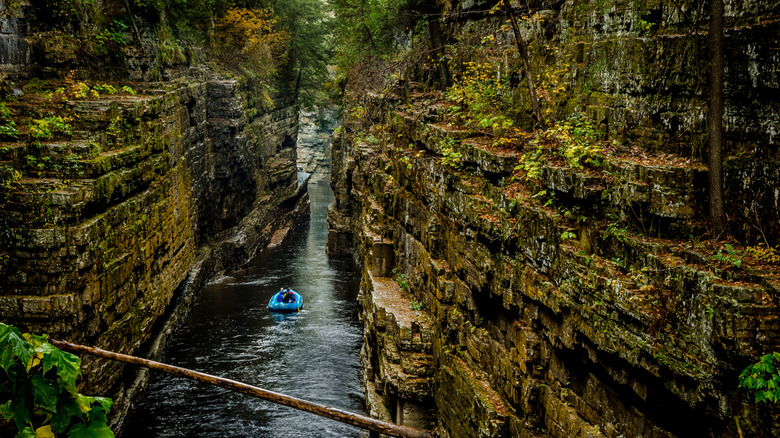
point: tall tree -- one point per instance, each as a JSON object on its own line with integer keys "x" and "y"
{"x": 715, "y": 118}
{"x": 368, "y": 28}
{"x": 309, "y": 27}
{"x": 523, "y": 52}
{"x": 431, "y": 12}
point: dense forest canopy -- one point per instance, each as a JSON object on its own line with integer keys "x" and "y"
{"x": 253, "y": 38}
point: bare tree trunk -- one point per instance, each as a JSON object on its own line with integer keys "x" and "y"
{"x": 275, "y": 397}
{"x": 521, "y": 49}
{"x": 438, "y": 47}
{"x": 715, "y": 118}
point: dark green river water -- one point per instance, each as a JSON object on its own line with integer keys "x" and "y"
{"x": 311, "y": 355}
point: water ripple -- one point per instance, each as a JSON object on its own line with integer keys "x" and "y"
{"x": 311, "y": 355}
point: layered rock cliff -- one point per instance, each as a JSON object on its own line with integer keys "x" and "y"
{"x": 139, "y": 190}
{"x": 508, "y": 291}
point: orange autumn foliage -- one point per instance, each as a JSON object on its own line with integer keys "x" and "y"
{"x": 248, "y": 35}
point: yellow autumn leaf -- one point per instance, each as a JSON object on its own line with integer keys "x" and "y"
{"x": 44, "y": 432}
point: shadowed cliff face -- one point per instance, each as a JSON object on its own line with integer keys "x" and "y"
{"x": 120, "y": 199}
{"x": 14, "y": 55}
{"x": 96, "y": 242}
{"x": 519, "y": 293}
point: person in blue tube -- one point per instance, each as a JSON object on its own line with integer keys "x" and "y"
{"x": 281, "y": 294}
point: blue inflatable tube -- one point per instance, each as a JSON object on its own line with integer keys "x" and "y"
{"x": 276, "y": 304}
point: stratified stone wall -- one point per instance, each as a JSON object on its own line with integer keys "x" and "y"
{"x": 106, "y": 228}
{"x": 14, "y": 54}
{"x": 97, "y": 241}
{"x": 552, "y": 311}
{"x": 473, "y": 299}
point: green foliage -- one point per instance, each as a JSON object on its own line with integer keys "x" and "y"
{"x": 309, "y": 27}
{"x": 731, "y": 256}
{"x": 77, "y": 90}
{"x": 116, "y": 128}
{"x": 400, "y": 278}
{"x": 366, "y": 28}
{"x": 416, "y": 305}
{"x": 579, "y": 138}
{"x": 450, "y": 155}
{"x": 104, "y": 89}
{"x": 616, "y": 230}
{"x": 128, "y": 90}
{"x": 114, "y": 34}
{"x": 7, "y": 124}
{"x": 47, "y": 127}
{"x": 763, "y": 378}
{"x": 8, "y": 176}
{"x": 534, "y": 160}
{"x": 566, "y": 235}
{"x": 483, "y": 100}
{"x": 34, "y": 163}
{"x": 38, "y": 390}
{"x": 574, "y": 140}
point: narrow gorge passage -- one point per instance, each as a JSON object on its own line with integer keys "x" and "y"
{"x": 312, "y": 355}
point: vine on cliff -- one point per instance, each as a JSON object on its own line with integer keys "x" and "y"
{"x": 38, "y": 390}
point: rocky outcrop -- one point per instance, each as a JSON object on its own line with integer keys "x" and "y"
{"x": 133, "y": 200}
{"x": 510, "y": 328}
{"x": 314, "y": 141}
{"x": 14, "y": 53}
{"x": 585, "y": 303}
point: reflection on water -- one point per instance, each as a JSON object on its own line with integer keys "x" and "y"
{"x": 311, "y": 355}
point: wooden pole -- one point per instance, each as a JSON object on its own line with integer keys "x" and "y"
{"x": 358, "y": 420}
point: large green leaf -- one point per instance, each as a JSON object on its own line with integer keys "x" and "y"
{"x": 99, "y": 411}
{"x": 11, "y": 338}
{"x": 21, "y": 403}
{"x": 66, "y": 409}
{"x": 7, "y": 357}
{"x": 29, "y": 392}
{"x": 27, "y": 432}
{"x": 81, "y": 430}
{"x": 68, "y": 365}
{"x": 45, "y": 393}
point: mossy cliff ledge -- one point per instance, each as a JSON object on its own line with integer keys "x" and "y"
{"x": 506, "y": 294}
{"x": 114, "y": 221}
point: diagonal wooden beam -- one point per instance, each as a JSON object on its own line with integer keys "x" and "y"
{"x": 358, "y": 420}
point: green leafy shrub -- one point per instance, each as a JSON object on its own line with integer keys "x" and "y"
{"x": 483, "y": 100}
{"x": 8, "y": 176}
{"x": 46, "y": 128}
{"x": 7, "y": 125}
{"x": 763, "y": 378}
{"x": 113, "y": 35}
{"x": 574, "y": 140}
{"x": 450, "y": 154}
{"x": 731, "y": 256}
{"x": 38, "y": 390}
{"x": 400, "y": 278}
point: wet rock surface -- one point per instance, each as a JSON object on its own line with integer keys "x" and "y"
{"x": 526, "y": 329}
{"x": 547, "y": 316}
{"x": 130, "y": 212}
